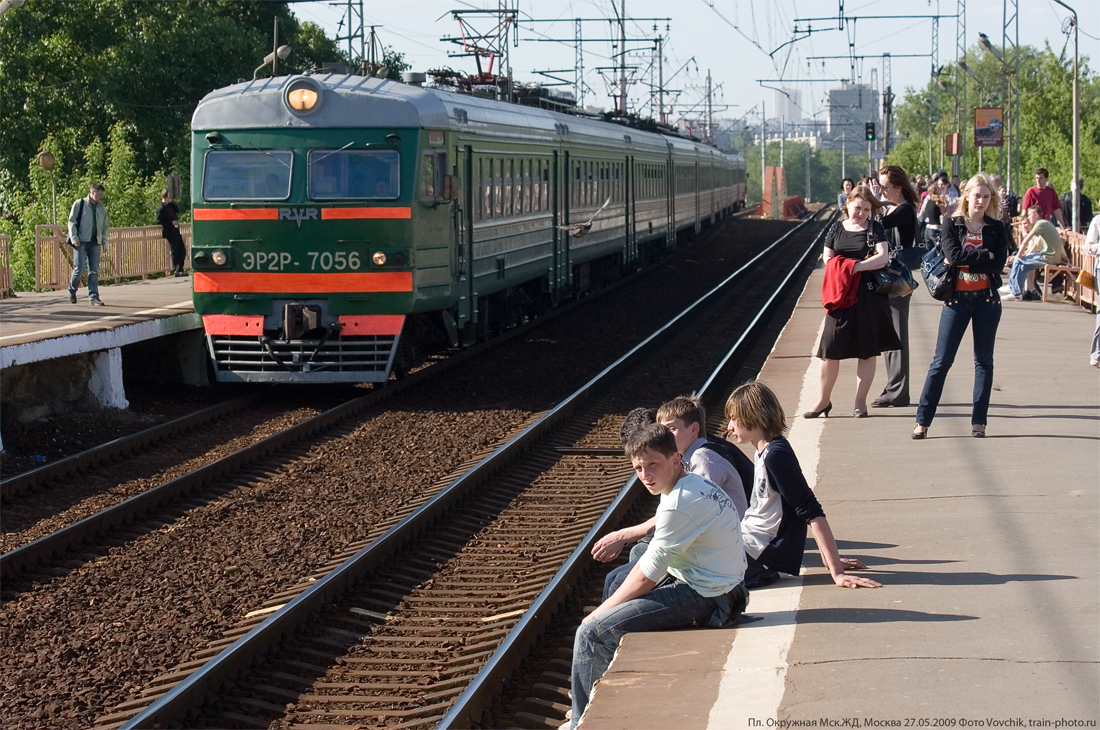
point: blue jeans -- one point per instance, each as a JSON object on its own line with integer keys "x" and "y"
{"x": 983, "y": 308}
{"x": 671, "y": 605}
{"x": 1017, "y": 275}
{"x": 86, "y": 253}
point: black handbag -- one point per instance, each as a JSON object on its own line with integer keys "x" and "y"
{"x": 911, "y": 257}
{"x": 894, "y": 280}
{"x": 939, "y": 276}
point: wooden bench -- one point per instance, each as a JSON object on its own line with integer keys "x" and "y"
{"x": 1079, "y": 259}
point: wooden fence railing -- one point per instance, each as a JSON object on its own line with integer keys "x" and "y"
{"x": 6, "y": 276}
{"x": 131, "y": 253}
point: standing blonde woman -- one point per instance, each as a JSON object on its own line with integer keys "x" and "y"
{"x": 863, "y": 330}
{"x": 975, "y": 242}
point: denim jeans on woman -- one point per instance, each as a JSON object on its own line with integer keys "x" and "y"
{"x": 86, "y": 253}
{"x": 983, "y": 309}
{"x": 671, "y": 605}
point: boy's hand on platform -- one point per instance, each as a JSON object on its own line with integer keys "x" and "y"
{"x": 845, "y": 580}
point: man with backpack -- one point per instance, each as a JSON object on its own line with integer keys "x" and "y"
{"x": 87, "y": 235}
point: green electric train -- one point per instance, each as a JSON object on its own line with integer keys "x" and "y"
{"x": 342, "y": 224}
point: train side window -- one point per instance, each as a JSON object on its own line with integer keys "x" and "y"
{"x": 527, "y": 186}
{"x": 433, "y": 166}
{"x": 546, "y": 186}
{"x": 498, "y": 185}
{"x": 536, "y": 186}
{"x": 487, "y": 188}
{"x": 508, "y": 174}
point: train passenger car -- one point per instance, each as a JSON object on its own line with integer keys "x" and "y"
{"x": 342, "y": 222}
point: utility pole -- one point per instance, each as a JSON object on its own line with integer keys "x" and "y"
{"x": 660, "y": 81}
{"x": 843, "y": 166}
{"x": 887, "y": 109}
{"x": 710, "y": 118}
{"x": 763, "y": 148}
{"x": 807, "y": 173}
{"x": 622, "y": 57}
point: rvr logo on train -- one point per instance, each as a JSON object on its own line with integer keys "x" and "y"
{"x": 298, "y": 214}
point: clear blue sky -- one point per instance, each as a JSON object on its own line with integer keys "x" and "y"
{"x": 730, "y": 38}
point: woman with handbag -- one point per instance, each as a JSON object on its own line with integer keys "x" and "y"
{"x": 862, "y": 330}
{"x": 976, "y": 245}
{"x": 934, "y": 209}
{"x": 900, "y": 224}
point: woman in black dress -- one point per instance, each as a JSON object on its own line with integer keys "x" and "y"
{"x": 863, "y": 330}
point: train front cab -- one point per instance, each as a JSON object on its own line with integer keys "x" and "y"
{"x": 303, "y": 254}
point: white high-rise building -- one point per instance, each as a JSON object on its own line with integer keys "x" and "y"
{"x": 788, "y": 106}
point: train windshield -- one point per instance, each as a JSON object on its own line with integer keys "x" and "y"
{"x": 247, "y": 175}
{"x": 359, "y": 174}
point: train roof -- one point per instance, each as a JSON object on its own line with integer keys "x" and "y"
{"x": 358, "y": 101}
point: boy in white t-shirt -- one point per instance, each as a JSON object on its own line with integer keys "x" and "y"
{"x": 690, "y": 575}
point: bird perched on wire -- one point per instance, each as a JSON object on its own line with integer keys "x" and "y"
{"x": 580, "y": 230}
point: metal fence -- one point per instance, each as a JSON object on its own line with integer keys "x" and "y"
{"x": 6, "y": 276}
{"x": 131, "y": 253}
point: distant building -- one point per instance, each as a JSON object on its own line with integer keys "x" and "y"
{"x": 788, "y": 106}
{"x": 850, "y": 108}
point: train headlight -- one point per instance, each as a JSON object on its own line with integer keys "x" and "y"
{"x": 302, "y": 94}
{"x": 219, "y": 258}
{"x": 301, "y": 99}
{"x": 379, "y": 258}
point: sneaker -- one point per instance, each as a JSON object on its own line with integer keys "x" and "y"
{"x": 1094, "y": 362}
{"x": 1006, "y": 289}
{"x": 97, "y": 303}
{"x": 1010, "y": 297}
{"x": 72, "y": 297}
{"x": 1030, "y": 296}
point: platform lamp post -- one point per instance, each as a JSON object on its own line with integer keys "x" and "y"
{"x": 46, "y": 159}
{"x": 1011, "y": 122}
{"x": 1076, "y": 189}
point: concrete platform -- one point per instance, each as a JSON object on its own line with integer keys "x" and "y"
{"x": 989, "y": 552}
{"x": 56, "y": 356}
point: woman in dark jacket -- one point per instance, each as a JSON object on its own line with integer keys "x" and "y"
{"x": 900, "y": 223}
{"x": 977, "y": 245}
{"x": 168, "y": 220}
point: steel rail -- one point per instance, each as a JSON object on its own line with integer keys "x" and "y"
{"x": 173, "y": 706}
{"x": 28, "y": 480}
{"x": 470, "y": 706}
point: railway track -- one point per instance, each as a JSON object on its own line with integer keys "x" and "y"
{"x": 153, "y": 505}
{"x": 424, "y": 623}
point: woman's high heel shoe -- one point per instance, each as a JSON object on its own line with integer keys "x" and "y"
{"x": 859, "y": 414}
{"x": 977, "y": 431}
{"x": 919, "y": 432}
{"x": 815, "y": 414}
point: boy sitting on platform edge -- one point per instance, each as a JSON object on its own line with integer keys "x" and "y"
{"x": 690, "y": 575}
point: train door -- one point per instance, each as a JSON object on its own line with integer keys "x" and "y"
{"x": 670, "y": 199}
{"x": 565, "y": 189}
{"x": 558, "y": 275}
{"x": 464, "y": 241}
{"x": 698, "y": 196}
{"x": 630, "y": 212}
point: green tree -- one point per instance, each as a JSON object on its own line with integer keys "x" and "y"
{"x": 1043, "y": 131}
{"x": 71, "y": 69}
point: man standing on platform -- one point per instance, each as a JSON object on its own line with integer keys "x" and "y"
{"x": 87, "y": 234}
{"x": 1045, "y": 196}
{"x": 1086, "y": 207}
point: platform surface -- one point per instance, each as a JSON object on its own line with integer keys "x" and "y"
{"x": 989, "y": 552}
{"x": 37, "y": 317}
